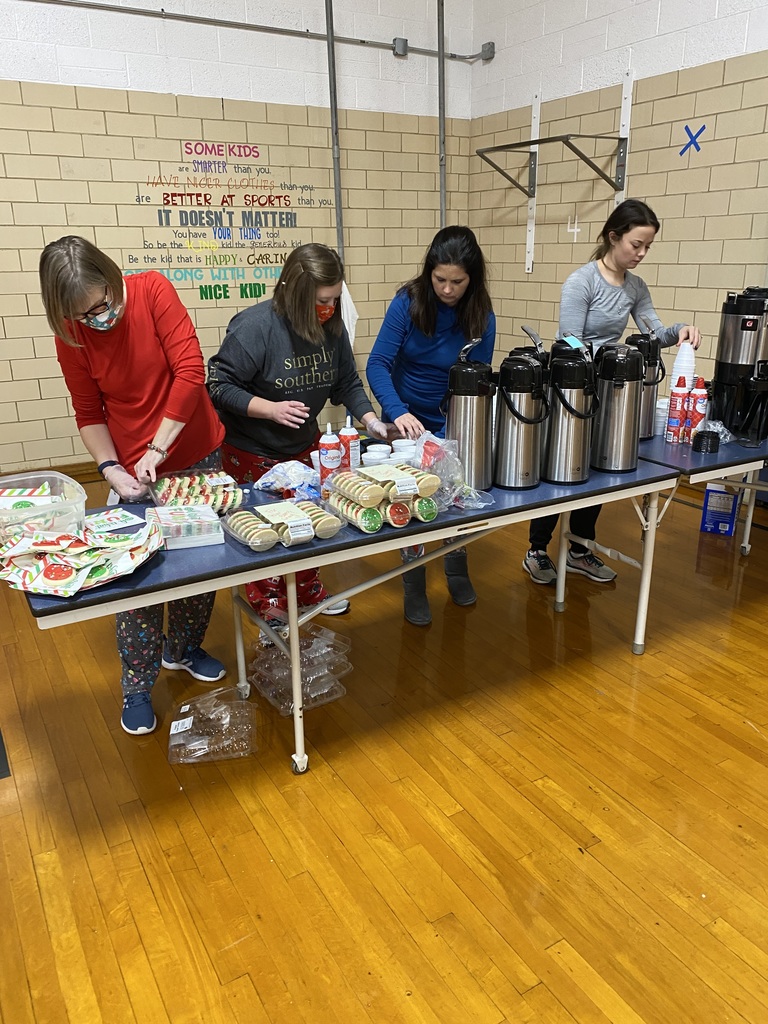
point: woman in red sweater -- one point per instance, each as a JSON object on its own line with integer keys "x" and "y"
{"x": 133, "y": 366}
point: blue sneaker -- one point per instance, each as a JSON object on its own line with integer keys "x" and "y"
{"x": 138, "y": 716}
{"x": 198, "y": 663}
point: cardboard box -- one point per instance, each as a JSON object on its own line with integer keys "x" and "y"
{"x": 721, "y": 510}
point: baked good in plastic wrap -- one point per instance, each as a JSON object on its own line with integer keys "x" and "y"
{"x": 217, "y": 490}
{"x": 61, "y": 565}
{"x": 41, "y": 502}
{"x": 187, "y": 526}
{"x": 369, "y": 520}
{"x": 401, "y": 480}
{"x": 248, "y": 529}
{"x": 325, "y": 524}
{"x": 217, "y": 726}
{"x": 350, "y": 484}
{"x": 439, "y": 457}
{"x": 290, "y": 523}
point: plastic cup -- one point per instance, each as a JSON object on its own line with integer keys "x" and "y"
{"x": 315, "y": 457}
{"x": 381, "y": 449}
{"x": 402, "y": 442}
{"x": 377, "y": 459}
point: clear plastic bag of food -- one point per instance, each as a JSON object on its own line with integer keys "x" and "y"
{"x": 217, "y": 726}
{"x": 441, "y": 457}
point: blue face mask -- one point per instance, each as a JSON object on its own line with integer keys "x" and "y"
{"x": 103, "y": 321}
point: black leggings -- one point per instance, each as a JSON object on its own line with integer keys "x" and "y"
{"x": 583, "y": 521}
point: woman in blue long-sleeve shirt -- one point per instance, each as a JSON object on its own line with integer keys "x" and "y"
{"x": 427, "y": 324}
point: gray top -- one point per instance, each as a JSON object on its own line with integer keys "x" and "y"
{"x": 597, "y": 312}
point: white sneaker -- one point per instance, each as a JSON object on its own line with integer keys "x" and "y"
{"x": 337, "y": 608}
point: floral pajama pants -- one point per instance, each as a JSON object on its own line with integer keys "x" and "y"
{"x": 140, "y": 636}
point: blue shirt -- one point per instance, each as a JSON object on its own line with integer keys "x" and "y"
{"x": 408, "y": 371}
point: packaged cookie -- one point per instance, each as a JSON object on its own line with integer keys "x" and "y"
{"x": 427, "y": 483}
{"x": 364, "y": 492}
{"x": 292, "y": 525}
{"x": 369, "y": 520}
{"x": 425, "y": 509}
{"x": 396, "y": 513}
{"x": 324, "y": 524}
{"x": 248, "y": 529}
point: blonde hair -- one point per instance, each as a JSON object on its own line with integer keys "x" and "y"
{"x": 306, "y": 269}
{"x": 70, "y": 269}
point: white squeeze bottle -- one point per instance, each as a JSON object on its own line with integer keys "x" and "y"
{"x": 330, "y": 456}
{"x": 350, "y": 446}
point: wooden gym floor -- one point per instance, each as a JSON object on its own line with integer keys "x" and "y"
{"x": 509, "y": 818}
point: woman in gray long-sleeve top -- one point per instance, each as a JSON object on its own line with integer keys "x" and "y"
{"x": 595, "y": 305}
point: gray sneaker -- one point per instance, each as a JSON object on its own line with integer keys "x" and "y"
{"x": 540, "y": 567}
{"x": 591, "y": 566}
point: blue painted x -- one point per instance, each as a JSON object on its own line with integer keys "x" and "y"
{"x": 692, "y": 139}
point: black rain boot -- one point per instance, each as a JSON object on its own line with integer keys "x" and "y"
{"x": 415, "y": 602}
{"x": 459, "y": 584}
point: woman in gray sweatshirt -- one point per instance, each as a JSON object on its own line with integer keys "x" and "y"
{"x": 595, "y": 305}
{"x": 280, "y": 362}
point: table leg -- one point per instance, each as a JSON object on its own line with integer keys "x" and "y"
{"x": 242, "y": 683}
{"x": 561, "y": 556}
{"x": 646, "y": 571}
{"x": 299, "y": 759}
{"x": 752, "y": 478}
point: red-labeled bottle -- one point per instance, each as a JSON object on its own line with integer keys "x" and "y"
{"x": 678, "y": 410}
{"x": 697, "y": 410}
{"x": 350, "y": 446}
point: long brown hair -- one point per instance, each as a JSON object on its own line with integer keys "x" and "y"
{"x": 70, "y": 269}
{"x": 632, "y": 213}
{"x": 452, "y": 246}
{"x": 306, "y": 269}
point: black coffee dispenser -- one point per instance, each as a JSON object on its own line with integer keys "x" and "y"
{"x": 650, "y": 347}
{"x": 740, "y": 382}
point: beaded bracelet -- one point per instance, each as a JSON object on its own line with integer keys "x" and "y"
{"x": 160, "y": 451}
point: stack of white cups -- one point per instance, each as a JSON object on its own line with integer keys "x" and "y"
{"x": 685, "y": 365}
{"x": 660, "y": 420}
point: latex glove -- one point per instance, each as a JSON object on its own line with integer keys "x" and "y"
{"x": 290, "y": 414}
{"x": 409, "y": 426}
{"x": 146, "y": 468}
{"x": 689, "y": 333}
{"x": 376, "y": 428}
{"x": 123, "y": 484}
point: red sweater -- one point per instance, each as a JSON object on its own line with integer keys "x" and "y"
{"x": 147, "y": 367}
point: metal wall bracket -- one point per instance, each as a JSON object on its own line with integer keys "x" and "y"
{"x": 616, "y": 183}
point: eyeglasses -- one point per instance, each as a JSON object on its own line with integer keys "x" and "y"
{"x": 100, "y": 307}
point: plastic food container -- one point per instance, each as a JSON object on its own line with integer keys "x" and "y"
{"x": 217, "y": 490}
{"x": 63, "y": 511}
{"x": 187, "y": 527}
{"x": 249, "y": 530}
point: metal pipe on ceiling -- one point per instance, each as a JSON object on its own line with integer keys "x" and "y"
{"x": 487, "y": 52}
{"x": 441, "y": 106}
{"x": 334, "y": 104}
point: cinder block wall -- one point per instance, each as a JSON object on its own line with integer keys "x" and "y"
{"x": 75, "y": 160}
{"x": 712, "y": 203}
{"x": 98, "y": 163}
